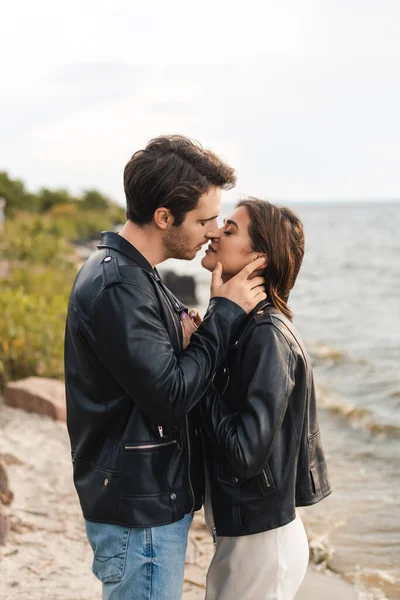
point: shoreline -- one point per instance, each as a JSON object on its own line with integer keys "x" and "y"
{"x": 46, "y": 524}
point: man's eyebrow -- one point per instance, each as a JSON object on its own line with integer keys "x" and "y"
{"x": 230, "y": 222}
{"x": 210, "y": 219}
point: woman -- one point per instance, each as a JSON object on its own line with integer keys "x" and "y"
{"x": 259, "y": 424}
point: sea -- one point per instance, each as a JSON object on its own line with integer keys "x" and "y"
{"x": 346, "y": 305}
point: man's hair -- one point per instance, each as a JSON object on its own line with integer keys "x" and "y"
{"x": 278, "y": 233}
{"x": 172, "y": 171}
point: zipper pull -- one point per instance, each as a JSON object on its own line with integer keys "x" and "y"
{"x": 267, "y": 483}
{"x": 160, "y": 431}
{"x": 214, "y": 535}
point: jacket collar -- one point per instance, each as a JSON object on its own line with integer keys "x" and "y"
{"x": 258, "y": 310}
{"x": 110, "y": 239}
{"x": 261, "y": 306}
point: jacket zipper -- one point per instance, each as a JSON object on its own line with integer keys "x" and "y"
{"x": 186, "y": 417}
{"x": 149, "y": 446}
{"x": 160, "y": 430}
{"x": 189, "y": 461}
{"x": 214, "y": 535}
{"x": 266, "y": 479}
{"x": 208, "y": 484}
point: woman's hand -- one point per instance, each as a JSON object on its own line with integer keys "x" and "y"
{"x": 195, "y": 316}
{"x": 189, "y": 326}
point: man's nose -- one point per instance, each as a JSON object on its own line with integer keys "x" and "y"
{"x": 213, "y": 231}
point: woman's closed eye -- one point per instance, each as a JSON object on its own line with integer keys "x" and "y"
{"x": 228, "y": 232}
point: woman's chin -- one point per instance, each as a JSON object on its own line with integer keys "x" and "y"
{"x": 208, "y": 263}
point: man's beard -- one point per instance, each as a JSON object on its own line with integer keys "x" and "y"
{"x": 176, "y": 245}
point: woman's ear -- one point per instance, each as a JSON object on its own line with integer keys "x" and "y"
{"x": 262, "y": 256}
{"x": 259, "y": 272}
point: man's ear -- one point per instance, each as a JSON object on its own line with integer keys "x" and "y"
{"x": 162, "y": 218}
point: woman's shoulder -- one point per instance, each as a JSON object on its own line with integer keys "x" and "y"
{"x": 261, "y": 324}
{"x": 274, "y": 323}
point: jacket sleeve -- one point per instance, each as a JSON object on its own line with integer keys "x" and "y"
{"x": 246, "y": 438}
{"x": 133, "y": 343}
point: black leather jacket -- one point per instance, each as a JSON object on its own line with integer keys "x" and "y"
{"x": 263, "y": 444}
{"x": 129, "y": 388}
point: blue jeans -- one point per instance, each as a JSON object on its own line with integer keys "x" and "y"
{"x": 145, "y": 563}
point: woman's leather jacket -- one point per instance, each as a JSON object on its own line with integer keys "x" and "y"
{"x": 261, "y": 432}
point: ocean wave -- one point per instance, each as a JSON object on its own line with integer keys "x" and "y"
{"x": 370, "y": 584}
{"x": 324, "y": 352}
{"x": 321, "y": 553}
{"x": 374, "y": 584}
{"x": 357, "y": 416}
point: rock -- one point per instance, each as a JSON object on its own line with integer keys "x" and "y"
{"x": 320, "y": 552}
{"x": 39, "y": 395}
{"x": 182, "y": 286}
{"x": 10, "y": 459}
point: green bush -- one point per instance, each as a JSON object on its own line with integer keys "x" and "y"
{"x": 13, "y": 191}
{"x": 33, "y": 299}
{"x": 19, "y": 199}
{"x": 36, "y": 243}
{"x": 86, "y": 224}
{"x": 34, "y": 240}
{"x": 31, "y": 334}
{"x": 43, "y": 281}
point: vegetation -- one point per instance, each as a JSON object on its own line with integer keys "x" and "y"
{"x": 40, "y": 263}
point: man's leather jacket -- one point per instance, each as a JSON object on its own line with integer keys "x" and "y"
{"x": 129, "y": 388}
{"x": 263, "y": 443}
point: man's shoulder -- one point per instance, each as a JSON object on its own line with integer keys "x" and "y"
{"x": 113, "y": 267}
{"x": 104, "y": 272}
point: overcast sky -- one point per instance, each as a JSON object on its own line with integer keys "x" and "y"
{"x": 301, "y": 96}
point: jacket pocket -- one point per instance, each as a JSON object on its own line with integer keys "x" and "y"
{"x": 318, "y": 471}
{"x": 97, "y": 489}
{"x": 255, "y": 486}
{"x": 110, "y": 546}
{"x": 149, "y": 446}
{"x": 227, "y": 477}
{"x": 148, "y": 468}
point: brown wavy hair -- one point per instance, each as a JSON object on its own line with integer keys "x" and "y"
{"x": 172, "y": 171}
{"x": 278, "y": 233}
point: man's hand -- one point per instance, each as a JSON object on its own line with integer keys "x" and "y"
{"x": 241, "y": 289}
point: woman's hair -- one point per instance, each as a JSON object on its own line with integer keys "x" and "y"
{"x": 278, "y": 233}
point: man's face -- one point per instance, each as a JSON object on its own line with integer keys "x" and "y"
{"x": 199, "y": 226}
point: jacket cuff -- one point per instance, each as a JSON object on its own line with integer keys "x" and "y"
{"x": 232, "y": 306}
{"x": 233, "y": 314}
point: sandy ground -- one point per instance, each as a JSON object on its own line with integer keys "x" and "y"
{"x": 47, "y": 556}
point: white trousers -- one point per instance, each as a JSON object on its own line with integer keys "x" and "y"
{"x": 265, "y": 566}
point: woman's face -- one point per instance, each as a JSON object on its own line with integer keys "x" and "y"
{"x": 233, "y": 247}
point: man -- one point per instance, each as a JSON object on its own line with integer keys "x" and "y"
{"x": 137, "y": 465}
